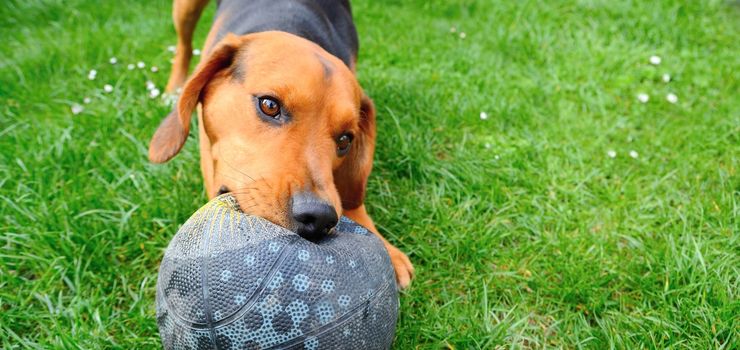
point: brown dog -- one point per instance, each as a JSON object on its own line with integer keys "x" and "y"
{"x": 283, "y": 124}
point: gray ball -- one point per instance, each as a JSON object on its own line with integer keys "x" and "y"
{"x": 233, "y": 281}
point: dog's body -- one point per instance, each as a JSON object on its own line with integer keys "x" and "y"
{"x": 327, "y": 23}
{"x": 284, "y": 125}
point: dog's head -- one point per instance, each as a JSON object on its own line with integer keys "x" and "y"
{"x": 291, "y": 132}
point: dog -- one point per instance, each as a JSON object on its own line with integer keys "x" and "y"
{"x": 283, "y": 123}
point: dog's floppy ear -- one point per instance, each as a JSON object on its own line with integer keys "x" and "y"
{"x": 351, "y": 177}
{"x": 174, "y": 129}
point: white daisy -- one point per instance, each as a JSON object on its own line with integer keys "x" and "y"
{"x": 643, "y": 97}
{"x": 108, "y": 88}
{"x": 611, "y": 153}
{"x": 154, "y": 93}
{"x": 671, "y": 97}
{"x": 169, "y": 99}
{"x": 196, "y": 52}
{"x": 77, "y": 109}
{"x": 666, "y": 78}
{"x": 154, "y": 69}
{"x": 113, "y": 60}
{"x": 655, "y": 60}
{"x": 86, "y": 100}
{"x": 483, "y": 116}
{"x": 171, "y": 48}
{"x": 140, "y": 65}
{"x": 634, "y": 154}
{"x": 131, "y": 66}
{"x": 463, "y": 35}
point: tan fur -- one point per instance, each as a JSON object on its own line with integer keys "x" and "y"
{"x": 264, "y": 164}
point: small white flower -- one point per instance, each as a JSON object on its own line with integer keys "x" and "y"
{"x": 77, "y": 109}
{"x": 643, "y": 97}
{"x": 92, "y": 74}
{"x": 196, "y": 52}
{"x": 634, "y": 154}
{"x": 113, "y": 60}
{"x": 169, "y": 99}
{"x": 666, "y": 78}
{"x": 140, "y": 65}
{"x": 150, "y": 85}
{"x": 496, "y": 157}
{"x": 611, "y": 153}
{"x": 154, "y": 69}
{"x": 487, "y": 145}
{"x": 463, "y": 35}
{"x": 131, "y": 66}
{"x": 154, "y": 93}
{"x": 671, "y": 97}
{"x": 108, "y": 88}
{"x": 171, "y": 48}
{"x": 86, "y": 100}
{"x": 655, "y": 60}
{"x": 483, "y": 116}
{"x": 453, "y": 29}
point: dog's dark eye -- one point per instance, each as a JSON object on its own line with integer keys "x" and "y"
{"x": 343, "y": 143}
{"x": 269, "y": 107}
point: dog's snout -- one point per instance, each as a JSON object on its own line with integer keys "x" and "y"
{"x": 313, "y": 217}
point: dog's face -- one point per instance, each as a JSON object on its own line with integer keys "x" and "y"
{"x": 291, "y": 134}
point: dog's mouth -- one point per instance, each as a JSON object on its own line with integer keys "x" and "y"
{"x": 310, "y": 218}
{"x": 252, "y": 202}
{"x": 223, "y": 189}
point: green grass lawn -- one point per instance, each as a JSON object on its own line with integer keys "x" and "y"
{"x": 524, "y": 230}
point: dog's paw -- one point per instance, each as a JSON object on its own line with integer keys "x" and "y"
{"x": 402, "y": 265}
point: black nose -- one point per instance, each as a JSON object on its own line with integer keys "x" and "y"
{"x": 313, "y": 217}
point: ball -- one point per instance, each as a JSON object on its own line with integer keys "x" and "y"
{"x": 229, "y": 280}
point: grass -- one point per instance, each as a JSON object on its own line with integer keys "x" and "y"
{"x": 524, "y": 232}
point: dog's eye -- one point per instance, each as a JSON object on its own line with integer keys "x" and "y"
{"x": 269, "y": 107}
{"x": 343, "y": 143}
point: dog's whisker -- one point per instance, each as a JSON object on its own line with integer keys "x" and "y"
{"x": 262, "y": 177}
{"x": 244, "y": 189}
{"x": 230, "y": 176}
{"x": 245, "y": 200}
{"x": 239, "y": 171}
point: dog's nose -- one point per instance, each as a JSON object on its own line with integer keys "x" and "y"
{"x": 313, "y": 217}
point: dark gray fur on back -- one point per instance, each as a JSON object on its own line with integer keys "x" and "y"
{"x": 327, "y": 23}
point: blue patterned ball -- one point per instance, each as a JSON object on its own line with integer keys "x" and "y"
{"x": 233, "y": 281}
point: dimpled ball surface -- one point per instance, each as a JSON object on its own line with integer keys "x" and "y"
{"x": 233, "y": 281}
